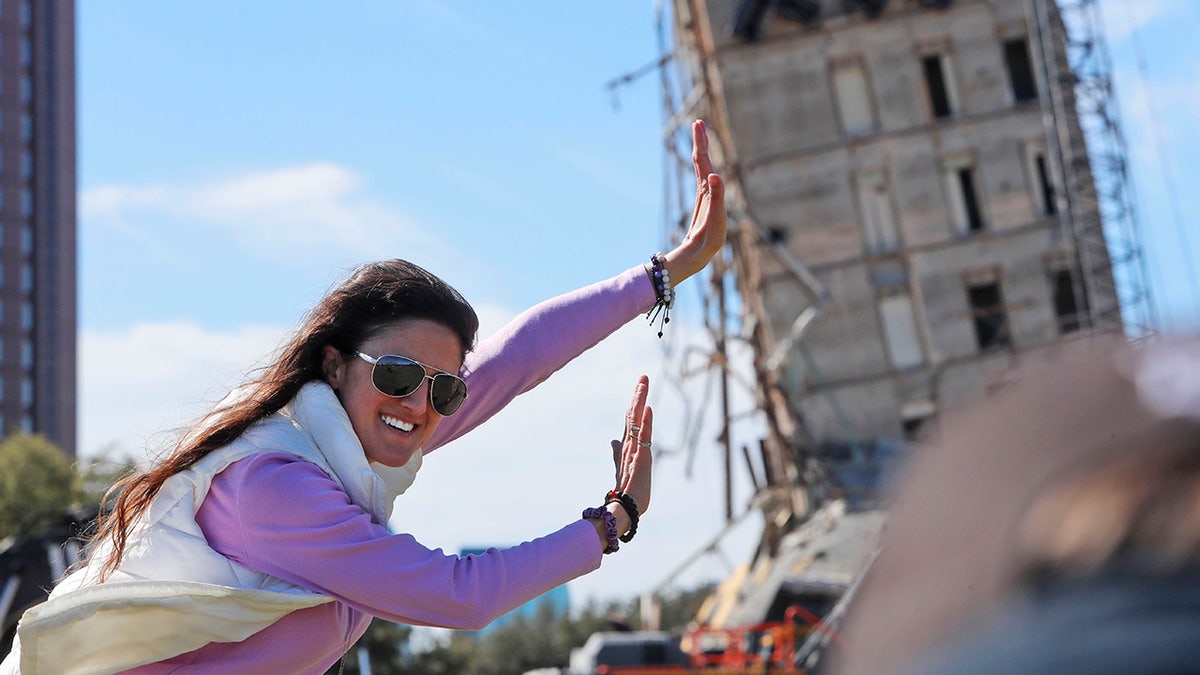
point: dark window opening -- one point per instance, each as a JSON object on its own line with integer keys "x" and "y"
{"x": 1020, "y": 70}
{"x": 966, "y": 182}
{"x": 1070, "y": 304}
{"x": 987, "y": 311}
{"x": 748, "y": 19}
{"x": 935, "y": 81}
{"x": 912, "y": 428}
{"x": 1049, "y": 205}
{"x": 807, "y": 12}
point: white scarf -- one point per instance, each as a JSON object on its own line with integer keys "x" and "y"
{"x": 172, "y": 593}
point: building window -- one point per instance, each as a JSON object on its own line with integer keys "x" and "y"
{"x": 988, "y": 315}
{"x": 26, "y": 165}
{"x": 939, "y": 82}
{"x": 27, "y": 277}
{"x": 853, "y": 98}
{"x": 900, "y": 331}
{"x": 27, "y": 316}
{"x": 26, "y": 126}
{"x": 27, "y": 353}
{"x": 1070, "y": 302}
{"x": 27, "y": 240}
{"x": 875, "y": 208}
{"x": 915, "y": 417}
{"x": 1041, "y": 187}
{"x": 27, "y": 392}
{"x": 1020, "y": 70}
{"x": 27, "y": 422}
{"x": 965, "y": 211}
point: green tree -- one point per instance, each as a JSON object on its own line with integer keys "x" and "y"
{"x": 37, "y": 484}
{"x": 523, "y": 642}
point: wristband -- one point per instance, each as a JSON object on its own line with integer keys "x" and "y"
{"x": 664, "y": 295}
{"x": 631, "y": 507}
{"x": 610, "y": 526}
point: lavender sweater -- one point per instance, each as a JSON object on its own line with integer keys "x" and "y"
{"x": 278, "y": 514}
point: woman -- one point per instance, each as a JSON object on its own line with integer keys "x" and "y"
{"x": 260, "y": 544}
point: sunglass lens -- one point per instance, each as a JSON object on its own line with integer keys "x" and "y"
{"x": 397, "y": 377}
{"x": 447, "y": 393}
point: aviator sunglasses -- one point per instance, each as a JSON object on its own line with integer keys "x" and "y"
{"x": 399, "y": 376}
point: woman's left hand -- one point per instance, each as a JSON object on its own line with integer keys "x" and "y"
{"x": 632, "y": 455}
{"x": 706, "y": 233}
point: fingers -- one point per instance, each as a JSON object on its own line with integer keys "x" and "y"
{"x": 634, "y": 414}
{"x": 639, "y": 450}
{"x": 716, "y": 192}
{"x": 633, "y": 428}
{"x": 633, "y": 476}
{"x": 617, "y": 456}
{"x": 706, "y": 232}
{"x": 637, "y": 480}
{"x": 700, "y": 158}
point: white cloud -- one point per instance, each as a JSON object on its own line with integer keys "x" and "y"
{"x": 139, "y": 385}
{"x": 317, "y": 208}
{"x": 1122, "y": 19}
{"x": 527, "y": 472}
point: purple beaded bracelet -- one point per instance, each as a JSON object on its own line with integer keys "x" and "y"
{"x": 610, "y": 525}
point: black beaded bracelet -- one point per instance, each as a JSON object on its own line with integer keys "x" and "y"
{"x": 631, "y": 507}
{"x": 610, "y": 526}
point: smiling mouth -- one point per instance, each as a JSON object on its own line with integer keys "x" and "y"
{"x": 395, "y": 423}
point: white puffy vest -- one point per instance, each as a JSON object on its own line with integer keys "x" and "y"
{"x": 173, "y": 593}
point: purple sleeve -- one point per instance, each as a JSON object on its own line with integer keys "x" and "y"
{"x": 281, "y": 515}
{"x": 540, "y": 341}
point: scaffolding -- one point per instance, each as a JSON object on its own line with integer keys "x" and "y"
{"x": 1099, "y": 206}
{"x": 1097, "y": 215}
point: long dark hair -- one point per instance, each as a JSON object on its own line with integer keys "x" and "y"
{"x": 375, "y": 296}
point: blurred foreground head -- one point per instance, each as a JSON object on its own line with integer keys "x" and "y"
{"x": 1053, "y": 526}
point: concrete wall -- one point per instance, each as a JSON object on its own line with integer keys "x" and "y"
{"x": 800, "y": 171}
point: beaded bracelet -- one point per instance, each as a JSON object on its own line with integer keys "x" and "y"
{"x": 610, "y": 526}
{"x": 631, "y": 507}
{"x": 664, "y": 294}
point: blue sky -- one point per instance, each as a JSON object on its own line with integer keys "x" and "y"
{"x": 236, "y": 158}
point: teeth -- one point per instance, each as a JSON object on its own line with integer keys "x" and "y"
{"x": 395, "y": 423}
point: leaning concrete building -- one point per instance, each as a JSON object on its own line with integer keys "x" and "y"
{"x": 913, "y": 209}
{"x": 913, "y": 212}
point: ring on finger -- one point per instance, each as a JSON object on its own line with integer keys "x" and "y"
{"x": 633, "y": 428}
{"x": 644, "y": 444}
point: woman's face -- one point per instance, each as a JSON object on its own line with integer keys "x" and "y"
{"x": 392, "y": 429}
